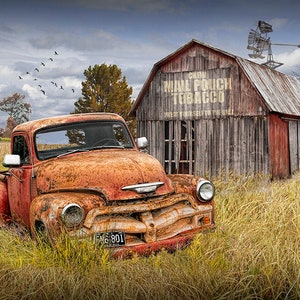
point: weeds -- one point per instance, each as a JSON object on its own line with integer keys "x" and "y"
{"x": 4, "y": 149}
{"x": 253, "y": 254}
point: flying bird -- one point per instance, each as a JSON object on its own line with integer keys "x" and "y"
{"x": 36, "y": 78}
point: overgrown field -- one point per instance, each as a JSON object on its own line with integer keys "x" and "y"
{"x": 4, "y": 149}
{"x": 253, "y": 254}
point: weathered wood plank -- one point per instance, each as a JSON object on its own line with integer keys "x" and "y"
{"x": 205, "y": 96}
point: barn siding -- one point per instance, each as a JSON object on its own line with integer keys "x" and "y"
{"x": 279, "y": 147}
{"x": 229, "y": 135}
{"x": 199, "y": 94}
{"x": 205, "y": 111}
{"x": 224, "y": 145}
{"x": 228, "y": 145}
{"x": 294, "y": 144}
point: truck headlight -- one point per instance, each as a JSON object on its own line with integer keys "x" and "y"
{"x": 72, "y": 215}
{"x": 205, "y": 190}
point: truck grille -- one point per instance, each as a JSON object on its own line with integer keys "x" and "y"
{"x": 151, "y": 221}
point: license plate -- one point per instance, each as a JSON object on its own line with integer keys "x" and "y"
{"x": 111, "y": 239}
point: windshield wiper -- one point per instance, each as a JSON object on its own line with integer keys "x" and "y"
{"x": 106, "y": 146}
{"x": 72, "y": 151}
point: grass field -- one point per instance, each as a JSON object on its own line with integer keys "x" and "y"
{"x": 4, "y": 149}
{"x": 253, "y": 254}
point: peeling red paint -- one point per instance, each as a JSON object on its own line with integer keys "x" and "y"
{"x": 113, "y": 191}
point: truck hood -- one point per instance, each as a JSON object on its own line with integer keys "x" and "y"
{"x": 112, "y": 173}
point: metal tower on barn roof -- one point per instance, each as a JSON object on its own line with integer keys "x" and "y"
{"x": 259, "y": 41}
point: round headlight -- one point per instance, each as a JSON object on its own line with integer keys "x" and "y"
{"x": 72, "y": 215}
{"x": 205, "y": 190}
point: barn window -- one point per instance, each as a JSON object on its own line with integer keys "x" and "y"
{"x": 179, "y": 147}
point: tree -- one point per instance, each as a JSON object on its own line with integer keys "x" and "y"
{"x": 105, "y": 90}
{"x": 2, "y": 132}
{"x": 16, "y": 108}
{"x": 10, "y": 125}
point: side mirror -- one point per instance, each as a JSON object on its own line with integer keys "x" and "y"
{"x": 11, "y": 160}
{"x": 142, "y": 142}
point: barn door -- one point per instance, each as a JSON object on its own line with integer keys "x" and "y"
{"x": 179, "y": 147}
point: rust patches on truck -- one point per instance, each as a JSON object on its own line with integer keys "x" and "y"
{"x": 85, "y": 175}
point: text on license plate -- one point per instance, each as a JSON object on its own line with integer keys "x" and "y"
{"x": 111, "y": 239}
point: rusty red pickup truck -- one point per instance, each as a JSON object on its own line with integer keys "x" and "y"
{"x": 84, "y": 174}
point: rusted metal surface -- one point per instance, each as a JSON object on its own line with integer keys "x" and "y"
{"x": 280, "y": 92}
{"x": 106, "y": 171}
{"x": 4, "y": 205}
{"x": 151, "y": 221}
{"x": 32, "y": 126}
{"x": 94, "y": 191}
{"x": 172, "y": 244}
{"x": 47, "y": 208}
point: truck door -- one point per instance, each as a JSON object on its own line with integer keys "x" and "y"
{"x": 19, "y": 182}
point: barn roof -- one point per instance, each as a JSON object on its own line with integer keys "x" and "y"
{"x": 280, "y": 92}
{"x": 165, "y": 60}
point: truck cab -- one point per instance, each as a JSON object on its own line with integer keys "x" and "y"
{"x": 85, "y": 175}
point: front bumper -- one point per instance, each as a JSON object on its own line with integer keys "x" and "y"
{"x": 179, "y": 242}
{"x": 165, "y": 222}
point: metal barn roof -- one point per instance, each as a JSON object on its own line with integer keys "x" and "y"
{"x": 280, "y": 92}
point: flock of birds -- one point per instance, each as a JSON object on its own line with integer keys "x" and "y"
{"x": 35, "y": 72}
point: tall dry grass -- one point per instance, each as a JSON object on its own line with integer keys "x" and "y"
{"x": 4, "y": 149}
{"x": 253, "y": 254}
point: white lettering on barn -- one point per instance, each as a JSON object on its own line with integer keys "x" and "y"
{"x": 202, "y": 90}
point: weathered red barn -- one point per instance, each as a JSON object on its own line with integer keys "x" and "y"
{"x": 206, "y": 111}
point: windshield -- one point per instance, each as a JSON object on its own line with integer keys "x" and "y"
{"x": 70, "y": 138}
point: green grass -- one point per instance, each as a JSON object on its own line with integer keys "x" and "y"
{"x": 253, "y": 254}
{"x": 4, "y": 139}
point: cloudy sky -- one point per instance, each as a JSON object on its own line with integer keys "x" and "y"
{"x": 133, "y": 34}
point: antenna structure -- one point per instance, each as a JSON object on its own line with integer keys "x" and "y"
{"x": 259, "y": 41}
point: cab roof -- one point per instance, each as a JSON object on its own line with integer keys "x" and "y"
{"x": 34, "y": 125}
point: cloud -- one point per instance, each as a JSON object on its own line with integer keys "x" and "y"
{"x": 132, "y": 34}
{"x": 6, "y": 29}
{"x": 33, "y": 92}
{"x": 48, "y": 104}
{"x": 278, "y": 23}
{"x": 148, "y": 6}
{"x": 291, "y": 60}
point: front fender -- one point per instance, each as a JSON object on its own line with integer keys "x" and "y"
{"x": 4, "y": 205}
{"x": 45, "y": 210}
{"x": 185, "y": 183}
